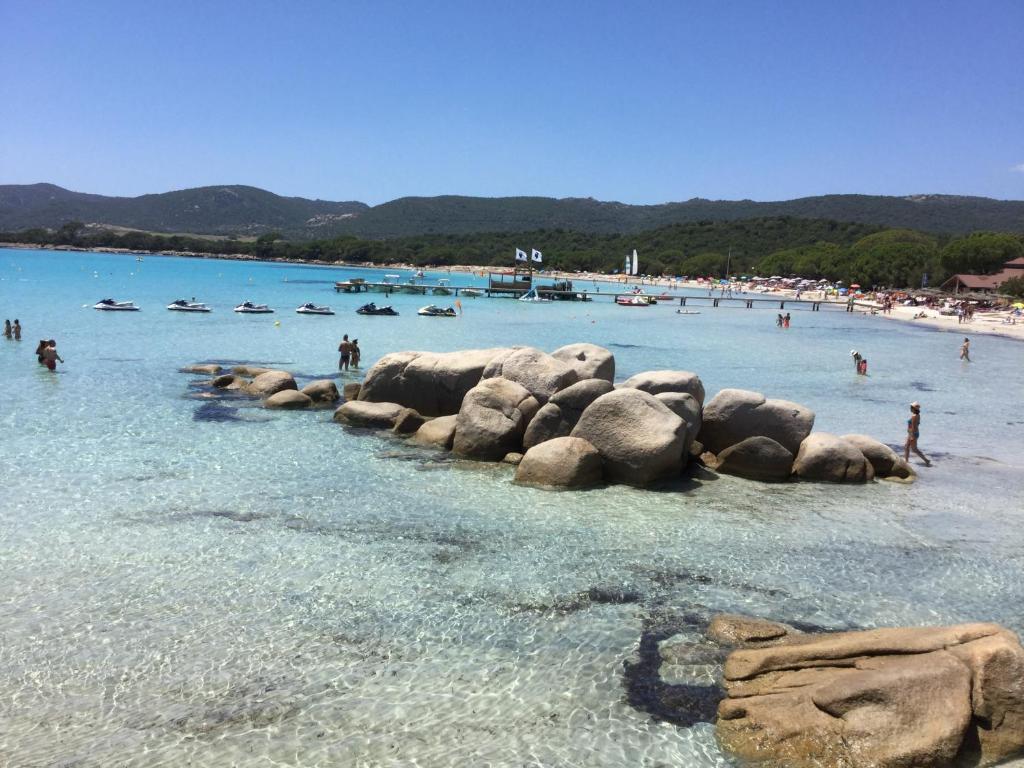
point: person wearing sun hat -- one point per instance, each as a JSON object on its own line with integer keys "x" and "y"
{"x": 914, "y": 432}
{"x": 856, "y": 359}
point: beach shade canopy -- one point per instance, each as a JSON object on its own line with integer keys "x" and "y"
{"x": 1018, "y": 304}
{"x": 855, "y": 285}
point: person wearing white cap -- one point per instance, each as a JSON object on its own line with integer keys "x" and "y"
{"x": 914, "y": 432}
{"x": 856, "y": 359}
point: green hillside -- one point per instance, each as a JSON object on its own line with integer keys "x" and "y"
{"x": 247, "y": 211}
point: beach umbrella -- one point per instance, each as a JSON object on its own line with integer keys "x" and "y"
{"x": 855, "y": 285}
{"x": 1018, "y": 305}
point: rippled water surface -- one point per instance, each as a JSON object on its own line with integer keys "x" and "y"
{"x": 226, "y": 586}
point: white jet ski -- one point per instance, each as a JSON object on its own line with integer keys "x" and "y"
{"x": 312, "y": 309}
{"x": 248, "y": 308}
{"x": 109, "y": 305}
{"x": 188, "y": 306}
{"x": 431, "y": 311}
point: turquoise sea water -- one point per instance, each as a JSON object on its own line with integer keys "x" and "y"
{"x": 187, "y": 585}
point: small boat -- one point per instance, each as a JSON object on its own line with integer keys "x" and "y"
{"x": 442, "y": 289}
{"x": 471, "y": 293}
{"x": 419, "y": 273}
{"x": 687, "y": 312}
{"x": 312, "y": 309}
{"x": 373, "y": 309}
{"x": 532, "y": 295}
{"x": 188, "y": 306}
{"x": 637, "y": 300}
{"x": 248, "y": 308}
{"x": 109, "y": 305}
{"x": 431, "y": 311}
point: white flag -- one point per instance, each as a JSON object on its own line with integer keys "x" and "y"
{"x": 537, "y": 255}
{"x": 520, "y": 255}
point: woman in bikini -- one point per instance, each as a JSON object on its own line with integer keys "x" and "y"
{"x": 914, "y": 432}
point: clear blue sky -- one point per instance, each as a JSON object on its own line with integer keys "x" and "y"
{"x": 641, "y": 102}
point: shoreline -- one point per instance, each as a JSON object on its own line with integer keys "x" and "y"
{"x": 985, "y": 324}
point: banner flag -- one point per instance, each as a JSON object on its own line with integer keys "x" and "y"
{"x": 537, "y": 255}
{"x": 520, "y": 255}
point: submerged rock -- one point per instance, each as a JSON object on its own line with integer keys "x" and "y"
{"x": 351, "y": 390}
{"x": 436, "y": 433}
{"x": 322, "y": 391}
{"x": 251, "y": 371}
{"x": 289, "y": 399}
{"x": 270, "y": 383}
{"x": 209, "y": 369}
{"x": 408, "y": 422}
{"x": 927, "y": 696}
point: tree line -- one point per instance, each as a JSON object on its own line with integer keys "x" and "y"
{"x": 867, "y": 254}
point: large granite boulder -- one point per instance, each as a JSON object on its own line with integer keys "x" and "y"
{"x": 656, "y": 382}
{"x": 540, "y": 373}
{"x": 560, "y": 414}
{"x": 432, "y": 383}
{"x": 408, "y": 422}
{"x": 356, "y": 413}
{"x": 736, "y": 414}
{"x": 828, "y": 458}
{"x": 288, "y": 399}
{"x": 270, "y": 383}
{"x": 492, "y": 419}
{"x": 756, "y": 458}
{"x": 928, "y": 696}
{"x": 350, "y": 390}
{"x": 886, "y": 462}
{"x": 588, "y": 360}
{"x": 685, "y": 406}
{"x": 230, "y": 381}
{"x": 322, "y": 391}
{"x": 436, "y": 433}
{"x": 564, "y": 462}
{"x": 638, "y": 437}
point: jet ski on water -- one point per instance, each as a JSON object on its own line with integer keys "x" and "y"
{"x": 312, "y": 309}
{"x": 248, "y": 308}
{"x": 109, "y": 305}
{"x": 188, "y": 306}
{"x": 431, "y": 311}
{"x": 373, "y": 309}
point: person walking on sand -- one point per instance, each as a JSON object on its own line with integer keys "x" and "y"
{"x": 356, "y": 353}
{"x": 914, "y": 432}
{"x": 50, "y": 356}
{"x": 965, "y": 350}
{"x": 345, "y": 348}
{"x": 17, "y": 330}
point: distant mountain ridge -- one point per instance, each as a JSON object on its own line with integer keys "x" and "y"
{"x": 243, "y": 210}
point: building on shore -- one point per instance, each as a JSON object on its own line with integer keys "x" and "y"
{"x": 985, "y": 283}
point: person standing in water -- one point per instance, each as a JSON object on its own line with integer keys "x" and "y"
{"x": 913, "y": 433}
{"x": 7, "y": 329}
{"x": 17, "y": 330}
{"x": 50, "y": 356}
{"x": 345, "y": 348}
{"x": 965, "y": 350}
{"x": 356, "y": 353}
{"x": 856, "y": 359}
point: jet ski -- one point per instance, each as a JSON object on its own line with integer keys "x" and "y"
{"x": 109, "y": 305}
{"x": 373, "y": 309}
{"x": 471, "y": 292}
{"x": 247, "y": 307}
{"x": 187, "y": 306}
{"x": 312, "y": 309}
{"x": 431, "y": 311}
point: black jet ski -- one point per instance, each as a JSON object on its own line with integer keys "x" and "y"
{"x": 373, "y": 309}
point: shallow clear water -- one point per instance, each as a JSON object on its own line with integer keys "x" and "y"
{"x": 276, "y": 590}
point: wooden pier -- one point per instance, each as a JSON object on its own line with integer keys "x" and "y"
{"x": 727, "y": 302}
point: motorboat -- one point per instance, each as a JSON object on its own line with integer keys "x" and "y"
{"x": 442, "y": 288}
{"x": 637, "y": 300}
{"x": 248, "y": 308}
{"x": 431, "y": 311}
{"x": 109, "y": 305}
{"x": 312, "y": 309}
{"x": 532, "y": 295}
{"x": 471, "y": 293}
{"x": 373, "y": 309}
{"x": 187, "y": 306}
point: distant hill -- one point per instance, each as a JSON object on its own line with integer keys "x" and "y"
{"x": 228, "y": 210}
{"x": 240, "y": 210}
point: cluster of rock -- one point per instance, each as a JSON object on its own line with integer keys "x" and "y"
{"x": 922, "y": 696}
{"x": 574, "y": 428}
{"x": 277, "y": 389}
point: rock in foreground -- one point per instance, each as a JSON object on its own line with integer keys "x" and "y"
{"x": 830, "y": 459}
{"x": 564, "y": 462}
{"x": 887, "y": 698}
{"x": 492, "y": 420}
